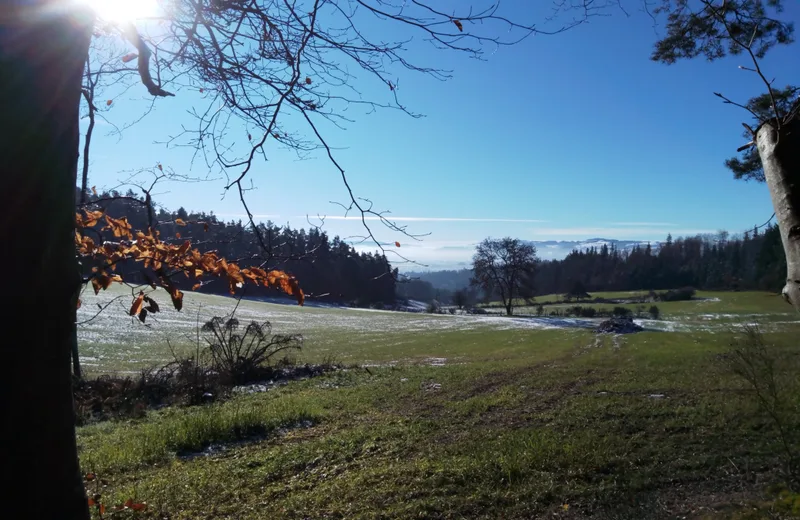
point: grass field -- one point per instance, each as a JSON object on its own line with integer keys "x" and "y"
{"x": 456, "y": 417}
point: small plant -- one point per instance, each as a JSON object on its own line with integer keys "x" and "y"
{"x": 239, "y": 357}
{"x": 654, "y": 312}
{"x": 433, "y": 307}
{"x": 539, "y": 309}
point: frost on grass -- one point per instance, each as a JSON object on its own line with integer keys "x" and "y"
{"x": 112, "y": 339}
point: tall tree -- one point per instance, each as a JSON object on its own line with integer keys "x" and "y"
{"x": 42, "y": 53}
{"x": 505, "y": 266}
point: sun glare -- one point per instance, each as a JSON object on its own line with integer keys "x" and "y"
{"x": 123, "y": 10}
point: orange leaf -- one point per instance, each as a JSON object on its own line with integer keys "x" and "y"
{"x": 96, "y": 285}
{"x": 205, "y": 226}
{"x": 78, "y": 306}
{"x": 128, "y": 503}
{"x": 180, "y": 222}
{"x": 102, "y": 509}
{"x": 129, "y": 57}
{"x": 184, "y": 248}
{"x": 91, "y": 502}
{"x": 196, "y": 286}
{"x": 136, "y": 308}
{"x": 119, "y": 226}
{"x": 177, "y": 235}
{"x": 108, "y": 103}
{"x": 177, "y": 299}
{"x": 90, "y": 477}
{"x": 139, "y": 506}
{"x": 397, "y": 244}
{"x": 308, "y": 80}
{"x": 286, "y": 283}
{"x": 459, "y": 25}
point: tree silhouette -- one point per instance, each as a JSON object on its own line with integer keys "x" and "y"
{"x": 506, "y": 267}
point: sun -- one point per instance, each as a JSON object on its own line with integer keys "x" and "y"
{"x": 123, "y": 10}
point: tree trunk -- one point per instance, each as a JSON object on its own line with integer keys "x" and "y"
{"x": 779, "y": 150}
{"x": 43, "y": 46}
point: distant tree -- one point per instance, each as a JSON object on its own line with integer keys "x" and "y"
{"x": 578, "y": 291}
{"x": 506, "y": 267}
{"x": 461, "y": 298}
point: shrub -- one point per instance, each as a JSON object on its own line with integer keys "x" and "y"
{"x": 241, "y": 357}
{"x": 654, "y": 312}
{"x": 539, "y": 309}
{"x": 622, "y": 312}
{"x": 676, "y": 295}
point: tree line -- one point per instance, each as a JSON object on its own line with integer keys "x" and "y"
{"x": 328, "y": 269}
{"x": 753, "y": 261}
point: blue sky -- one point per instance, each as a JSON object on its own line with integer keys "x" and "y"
{"x": 562, "y": 137}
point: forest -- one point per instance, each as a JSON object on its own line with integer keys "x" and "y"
{"x": 328, "y": 269}
{"x": 753, "y": 261}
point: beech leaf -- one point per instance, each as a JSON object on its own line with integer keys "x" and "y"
{"x": 136, "y": 308}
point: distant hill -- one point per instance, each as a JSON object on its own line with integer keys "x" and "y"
{"x": 449, "y": 280}
{"x": 558, "y": 249}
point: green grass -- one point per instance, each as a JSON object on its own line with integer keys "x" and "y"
{"x": 518, "y": 423}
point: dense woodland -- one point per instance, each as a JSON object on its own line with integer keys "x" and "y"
{"x": 329, "y": 269}
{"x": 754, "y": 261}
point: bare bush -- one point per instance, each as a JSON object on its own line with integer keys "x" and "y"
{"x": 757, "y": 362}
{"x": 240, "y": 357}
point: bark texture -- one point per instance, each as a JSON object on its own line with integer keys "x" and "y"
{"x": 779, "y": 150}
{"x": 43, "y": 46}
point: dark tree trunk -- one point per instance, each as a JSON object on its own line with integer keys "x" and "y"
{"x": 43, "y": 46}
{"x": 779, "y": 150}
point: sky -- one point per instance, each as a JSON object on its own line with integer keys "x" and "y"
{"x": 563, "y": 137}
